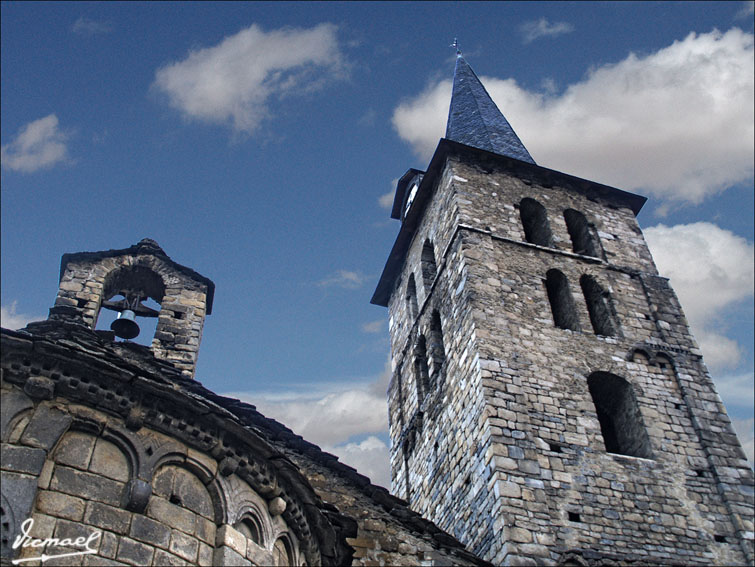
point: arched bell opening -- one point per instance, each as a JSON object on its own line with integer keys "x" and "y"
{"x": 131, "y": 303}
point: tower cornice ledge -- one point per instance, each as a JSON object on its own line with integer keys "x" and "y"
{"x": 530, "y": 172}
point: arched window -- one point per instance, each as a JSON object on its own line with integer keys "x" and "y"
{"x": 421, "y": 370}
{"x": 282, "y": 552}
{"x": 134, "y": 288}
{"x": 640, "y": 356}
{"x": 437, "y": 351}
{"x": 562, "y": 303}
{"x": 429, "y": 268}
{"x": 411, "y": 299}
{"x": 250, "y": 527}
{"x": 535, "y": 222}
{"x": 665, "y": 364}
{"x": 619, "y": 415}
{"x": 599, "y": 306}
{"x": 582, "y": 238}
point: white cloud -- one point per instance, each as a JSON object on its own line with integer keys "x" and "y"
{"x": 677, "y": 123}
{"x": 371, "y": 458}
{"x": 10, "y": 319}
{"x": 332, "y": 415}
{"x": 347, "y": 279}
{"x": 710, "y": 269}
{"x": 38, "y": 144}
{"x": 744, "y": 429}
{"x": 543, "y": 28}
{"x": 737, "y": 391}
{"x": 234, "y": 81}
{"x": 86, "y": 26}
{"x": 386, "y": 200}
{"x": 375, "y": 326}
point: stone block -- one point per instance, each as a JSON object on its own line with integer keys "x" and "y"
{"x": 45, "y": 427}
{"x": 204, "y": 556}
{"x": 12, "y": 403}
{"x": 86, "y": 485}
{"x": 205, "y": 530}
{"x": 184, "y": 546}
{"x": 61, "y": 505}
{"x": 149, "y": 531}
{"x": 168, "y": 559}
{"x": 134, "y": 552}
{"x": 171, "y": 515}
{"x": 75, "y": 449}
{"x": 108, "y": 517}
{"x": 226, "y": 556}
{"x": 18, "y": 492}
{"x": 508, "y": 489}
{"x": 99, "y": 561}
{"x": 109, "y": 461}
{"x": 192, "y": 493}
{"x": 108, "y": 545}
{"x": 22, "y": 459}
{"x": 227, "y": 536}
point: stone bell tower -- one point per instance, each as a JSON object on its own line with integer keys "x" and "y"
{"x": 90, "y": 280}
{"x": 548, "y": 403}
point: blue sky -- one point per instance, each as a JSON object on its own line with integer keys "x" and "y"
{"x": 259, "y": 144}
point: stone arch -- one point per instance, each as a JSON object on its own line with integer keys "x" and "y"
{"x": 561, "y": 301}
{"x": 534, "y": 218}
{"x": 243, "y": 502}
{"x": 250, "y": 525}
{"x": 17, "y": 407}
{"x": 599, "y": 306}
{"x": 640, "y": 356}
{"x": 283, "y": 551}
{"x": 141, "y": 277}
{"x": 177, "y": 486}
{"x": 429, "y": 268}
{"x": 619, "y": 415}
{"x": 664, "y": 361}
{"x": 583, "y": 241}
{"x": 169, "y": 480}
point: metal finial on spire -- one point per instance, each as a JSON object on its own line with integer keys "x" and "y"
{"x": 455, "y": 45}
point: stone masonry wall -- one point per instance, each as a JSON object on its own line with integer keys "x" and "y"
{"x": 72, "y": 478}
{"x": 534, "y": 464}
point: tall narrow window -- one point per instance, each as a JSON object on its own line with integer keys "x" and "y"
{"x": 411, "y": 299}
{"x": 582, "y": 239}
{"x": 562, "y": 303}
{"x": 535, "y": 222}
{"x": 437, "y": 351}
{"x": 428, "y": 265}
{"x": 421, "y": 369}
{"x": 599, "y": 306}
{"x": 619, "y": 415}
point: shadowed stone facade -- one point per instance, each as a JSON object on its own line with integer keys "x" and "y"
{"x": 548, "y": 402}
{"x": 115, "y": 438}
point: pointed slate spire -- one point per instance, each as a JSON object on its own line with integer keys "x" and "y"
{"x": 474, "y": 119}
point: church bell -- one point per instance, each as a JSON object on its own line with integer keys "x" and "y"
{"x": 125, "y": 325}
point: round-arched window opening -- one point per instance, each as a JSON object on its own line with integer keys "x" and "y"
{"x": 250, "y": 527}
{"x": 282, "y": 552}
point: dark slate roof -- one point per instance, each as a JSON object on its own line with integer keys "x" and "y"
{"x": 474, "y": 119}
{"x": 75, "y": 345}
